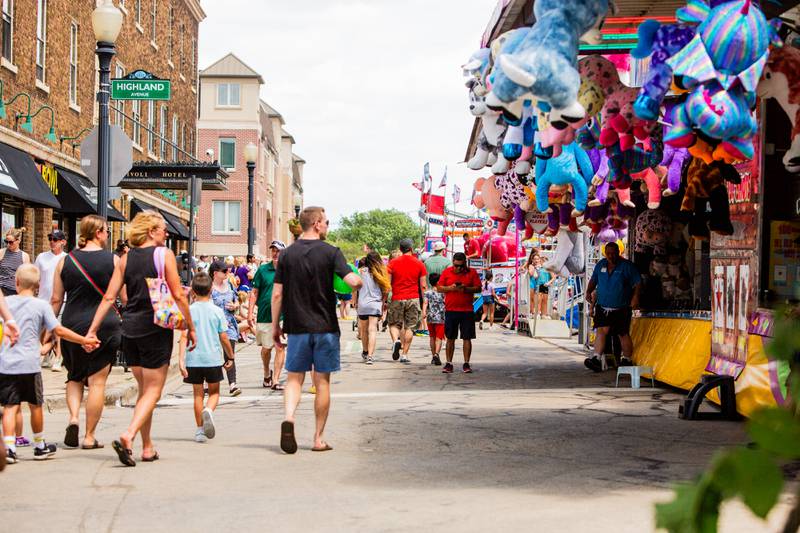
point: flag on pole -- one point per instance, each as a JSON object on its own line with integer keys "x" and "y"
{"x": 432, "y": 204}
{"x": 456, "y": 194}
{"x": 417, "y": 185}
{"x": 444, "y": 178}
{"x": 427, "y": 181}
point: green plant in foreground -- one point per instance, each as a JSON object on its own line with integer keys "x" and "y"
{"x": 751, "y": 473}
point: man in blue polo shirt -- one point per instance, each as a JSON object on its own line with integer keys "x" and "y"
{"x": 614, "y": 292}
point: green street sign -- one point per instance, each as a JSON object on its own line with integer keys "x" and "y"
{"x": 140, "y": 85}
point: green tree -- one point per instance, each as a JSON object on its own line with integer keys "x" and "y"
{"x": 381, "y": 229}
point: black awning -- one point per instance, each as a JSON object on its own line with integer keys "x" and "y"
{"x": 179, "y": 231}
{"x": 175, "y": 227}
{"x": 20, "y": 178}
{"x": 79, "y": 197}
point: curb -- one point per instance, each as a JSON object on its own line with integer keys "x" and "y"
{"x": 122, "y": 394}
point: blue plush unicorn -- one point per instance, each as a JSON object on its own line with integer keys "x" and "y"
{"x": 573, "y": 167}
{"x": 543, "y": 65}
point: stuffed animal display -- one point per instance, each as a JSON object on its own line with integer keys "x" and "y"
{"x": 781, "y": 80}
{"x": 705, "y": 188}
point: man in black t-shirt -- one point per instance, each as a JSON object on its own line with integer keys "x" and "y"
{"x": 303, "y": 292}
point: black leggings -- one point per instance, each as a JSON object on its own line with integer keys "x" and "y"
{"x": 231, "y": 372}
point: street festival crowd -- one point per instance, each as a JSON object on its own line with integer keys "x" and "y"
{"x": 125, "y": 307}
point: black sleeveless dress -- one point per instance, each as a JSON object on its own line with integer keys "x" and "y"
{"x": 144, "y": 343}
{"x": 82, "y": 302}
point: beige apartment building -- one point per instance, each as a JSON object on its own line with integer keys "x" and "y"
{"x": 232, "y": 115}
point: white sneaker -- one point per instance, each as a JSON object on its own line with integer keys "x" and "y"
{"x": 369, "y": 359}
{"x": 56, "y": 364}
{"x": 199, "y": 436}
{"x": 404, "y": 359}
{"x": 208, "y": 424}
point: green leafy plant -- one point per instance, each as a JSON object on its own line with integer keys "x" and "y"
{"x": 381, "y": 229}
{"x": 750, "y": 473}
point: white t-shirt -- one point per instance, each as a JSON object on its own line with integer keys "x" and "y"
{"x": 47, "y": 262}
{"x": 33, "y": 316}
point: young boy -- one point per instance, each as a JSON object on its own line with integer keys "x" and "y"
{"x": 433, "y": 311}
{"x": 204, "y": 364}
{"x": 20, "y": 367}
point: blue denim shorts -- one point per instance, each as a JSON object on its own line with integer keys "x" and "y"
{"x": 319, "y": 351}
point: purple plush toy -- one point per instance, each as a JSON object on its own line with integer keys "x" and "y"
{"x": 660, "y": 43}
{"x": 675, "y": 159}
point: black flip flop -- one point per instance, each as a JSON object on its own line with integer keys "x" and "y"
{"x": 125, "y": 454}
{"x": 150, "y": 459}
{"x": 288, "y": 443}
{"x": 71, "y": 436}
{"x": 94, "y": 446}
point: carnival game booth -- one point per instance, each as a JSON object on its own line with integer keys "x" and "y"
{"x": 677, "y": 134}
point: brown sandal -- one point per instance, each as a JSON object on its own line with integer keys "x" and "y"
{"x": 267, "y": 383}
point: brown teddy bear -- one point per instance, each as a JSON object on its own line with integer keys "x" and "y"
{"x": 705, "y": 186}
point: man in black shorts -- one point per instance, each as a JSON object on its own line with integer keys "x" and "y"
{"x": 614, "y": 292}
{"x": 459, "y": 283}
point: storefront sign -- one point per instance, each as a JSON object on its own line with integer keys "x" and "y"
{"x": 732, "y": 295}
{"x": 50, "y": 177}
{"x": 140, "y": 85}
{"x": 467, "y": 223}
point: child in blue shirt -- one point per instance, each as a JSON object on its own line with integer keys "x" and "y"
{"x": 204, "y": 364}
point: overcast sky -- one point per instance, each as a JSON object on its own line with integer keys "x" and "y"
{"x": 370, "y": 89}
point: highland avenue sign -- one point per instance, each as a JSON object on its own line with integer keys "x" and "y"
{"x": 140, "y": 85}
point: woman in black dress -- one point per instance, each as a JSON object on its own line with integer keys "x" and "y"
{"x": 147, "y": 347}
{"x": 84, "y": 275}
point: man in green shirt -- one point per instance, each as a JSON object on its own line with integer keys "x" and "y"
{"x": 436, "y": 263}
{"x": 262, "y": 296}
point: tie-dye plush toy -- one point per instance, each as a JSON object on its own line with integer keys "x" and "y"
{"x": 720, "y": 67}
{"x": 543, "y": 65}
{"x": 572, "y": 167}
{"x": 781, "y": 80}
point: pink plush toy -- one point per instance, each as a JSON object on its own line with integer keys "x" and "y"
{"x": 487, "y": 196}
{"x": 652, "y": 180}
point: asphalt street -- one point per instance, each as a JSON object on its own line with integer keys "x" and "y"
{"x": 530, "y": 441}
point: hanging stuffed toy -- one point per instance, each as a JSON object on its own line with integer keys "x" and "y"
{"x": 493, "y": 126}
{"x": 513, "y": 198}
{"x": 659, "y": 43}
{"x": 720, "y": 67}
{"x": 781, "y": 80}
{"x": 705, "y": 188}
{"x": 653, "y": 228}
{"x": 674, "y": 163}
{"x": 569, "y": 257}
{"x": 572, "y": 167}
{"x": 543, "y": 65}
{"x": 487, "y": 196}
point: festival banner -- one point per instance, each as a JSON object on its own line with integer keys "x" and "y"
{"x": 434, "y": 205}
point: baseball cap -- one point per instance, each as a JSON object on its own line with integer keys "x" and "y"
{"x": 278, "y": 245}
{"x": 217, "y": 266}
{"x": 57, "y": 235}
{"x": 438, "y": 245}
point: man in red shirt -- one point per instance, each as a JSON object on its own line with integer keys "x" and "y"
{"x": 459, "y": 283}
{"x": 471, "y": 247}
{"x": 408, "y": 278}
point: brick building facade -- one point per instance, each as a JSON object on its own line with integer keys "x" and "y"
{"x": 232, "y": 115}
{"x": 47, "y": 52}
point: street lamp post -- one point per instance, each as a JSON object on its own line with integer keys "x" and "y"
{"x": 298, "y": 204}
{"x": 106, "y": 24}
{"x": 250, "y": 155}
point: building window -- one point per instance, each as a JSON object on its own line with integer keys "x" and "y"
{"x": 8, "y": 30}
{"x": 137, "y": 12}
{"x": 175, "y": 154}
{"x": 226, "y": 216}
{"x": 136, "y": 116}
{"x": 193, "y": 75}
{"x": 169, "y": 33}
{"x": 162, "y": 125}
{"x": 180, "y": 58}
{"x": 227, "y": 94}
{"x": 183, "y": 137}
{"x": 73, "y": 63}
{"x": 119, "y": 116}
{"x": 154, "y": 15}
{"x": 227, "y": 153}
{"x": 41, "y": 40}
{"x": 151, "y": 127}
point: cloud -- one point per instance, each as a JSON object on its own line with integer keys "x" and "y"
{"x": 370, "y": 90}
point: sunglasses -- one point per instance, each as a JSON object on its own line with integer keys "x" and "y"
{"x": 456, "y": 265}
{"x": 10, "y": 241}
